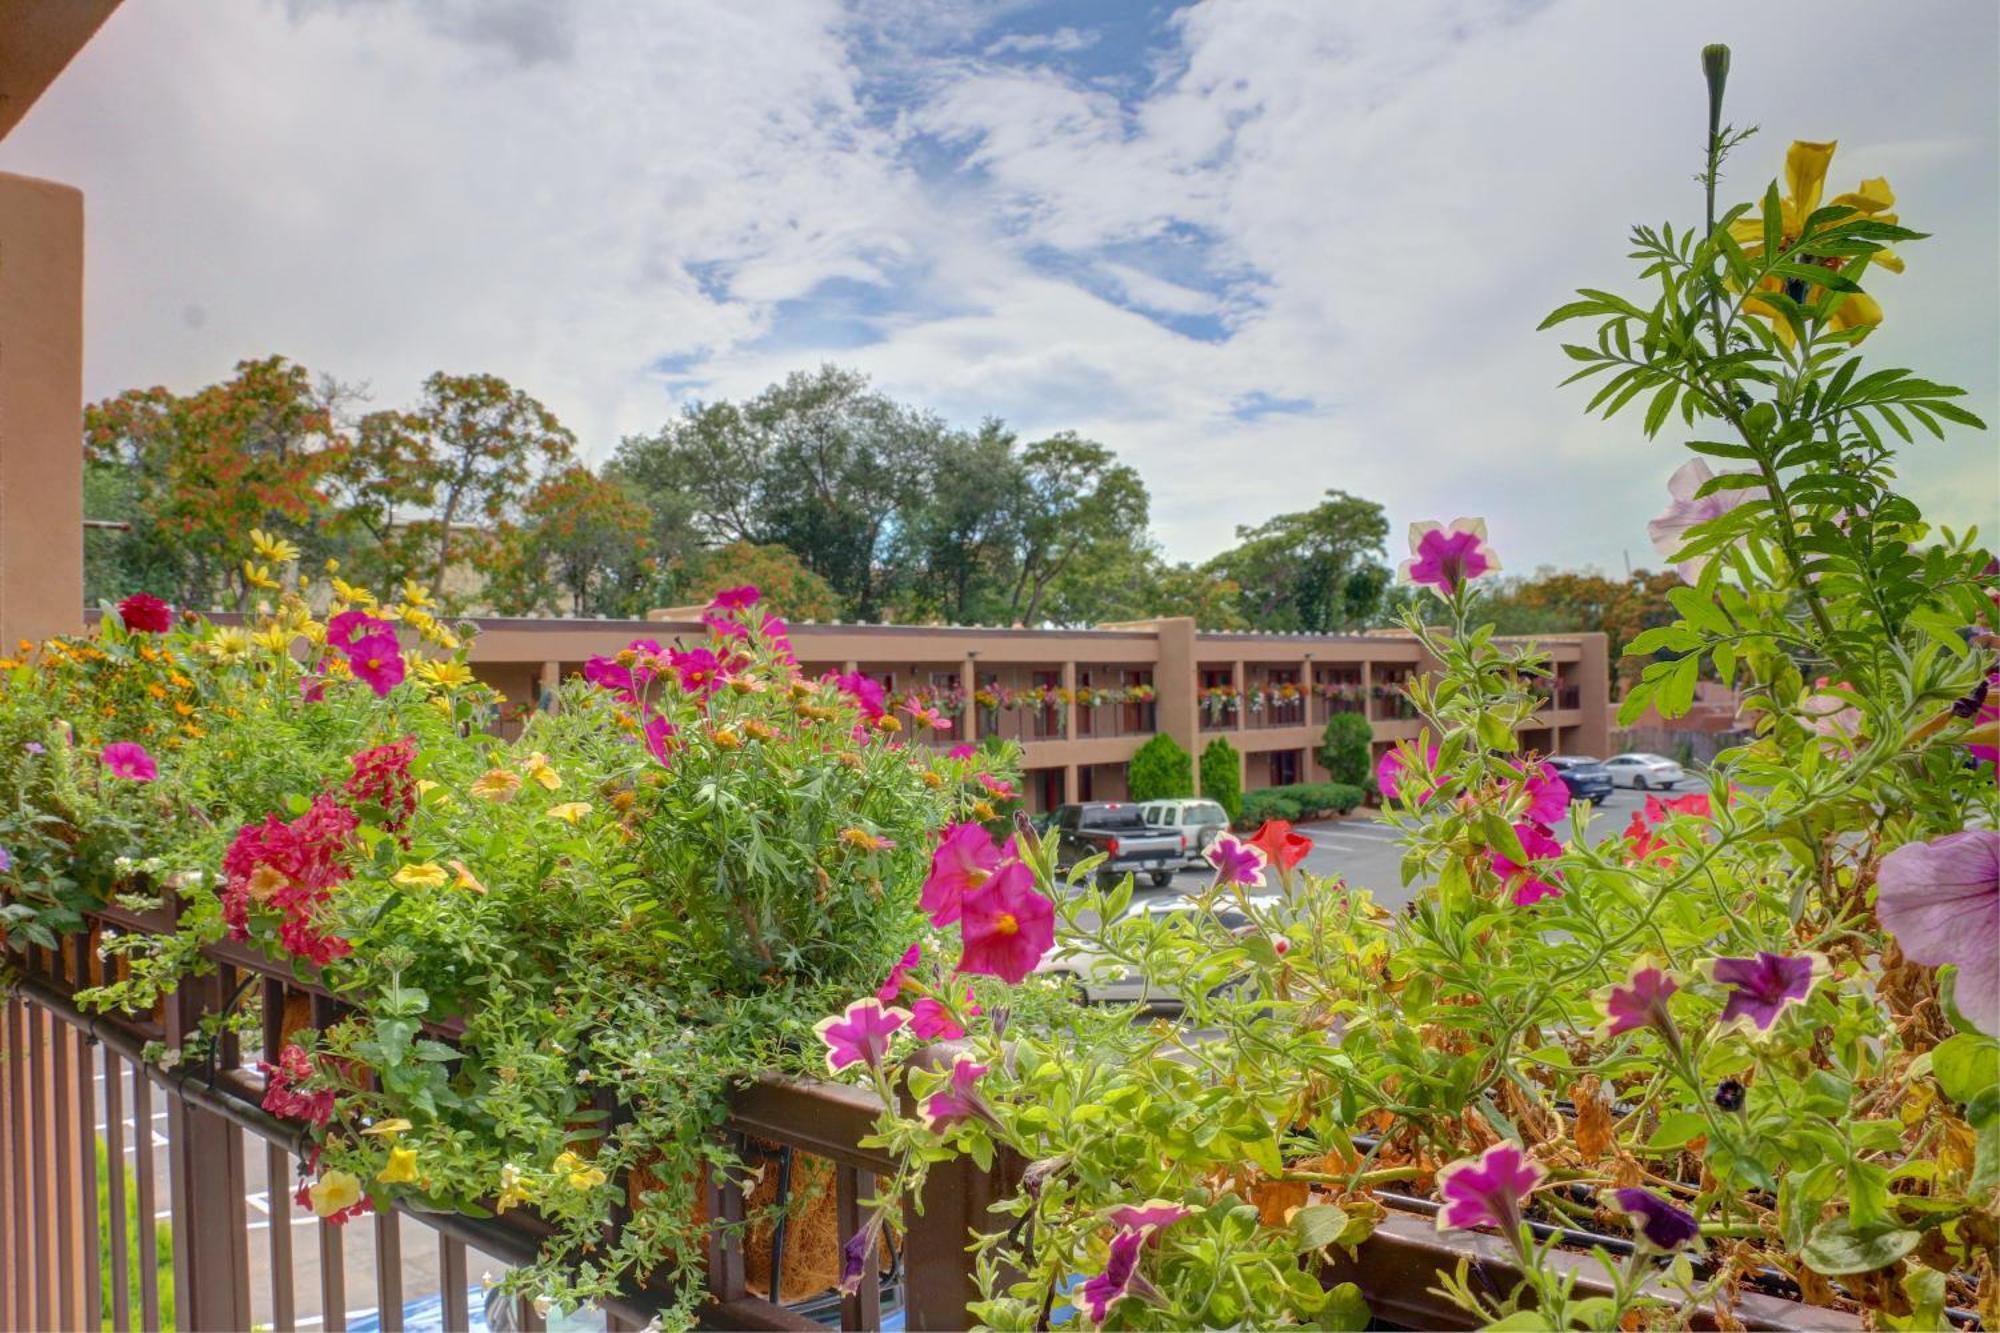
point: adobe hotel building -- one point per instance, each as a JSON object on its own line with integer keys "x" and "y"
{"x": 1080, "y": 753}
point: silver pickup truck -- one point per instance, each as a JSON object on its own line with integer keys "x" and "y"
{"x": 1119, "y": 831}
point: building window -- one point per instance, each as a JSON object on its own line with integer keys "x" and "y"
{"x": 1284, "y": 767}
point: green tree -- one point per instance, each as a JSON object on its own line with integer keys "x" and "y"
{"x": 788, "y": 588}
{"x": 1318, "y": 571}
{"x": 1079, "y": 502}
{"x": 1346, "y": 749}
{"x": 957, "y": 543}
{"x": 1222, "y": 776}
{"x": 1160, "y": 770}
{"x": 580, "y": 549}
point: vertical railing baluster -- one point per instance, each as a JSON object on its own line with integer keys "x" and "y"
{"x": 66, "y": 1149}
{"x": 149, "y": 1204}
{"x": 18, "y": 1257}
{"x": 452, "y": 1284}
{"x": 41, "y": 1211}
{"x": 389, "y": 1270}
{"x": 277, "y": 1179}
{"x": 862, "y": 1309}
{"x": 83, "y": 950}
{"x": 332, "y": 1280}
{"x": 114, "y": 1164}
{"x": 205, "y": 1155}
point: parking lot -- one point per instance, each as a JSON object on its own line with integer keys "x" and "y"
{"x": 1365, "y": 852}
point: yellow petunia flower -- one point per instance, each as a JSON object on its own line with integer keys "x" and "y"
{"x": 497, "y": 784}
{"x": 513, "y": 1189}
{"x": 1805, "y": 182}
{"x": 335, "y": 1192}
{"x": 582, "y": 1176}
{"x": 539, "y": 771}
{"x": 401, "y": 1168}
{"x": 466, "y": 880}
{"x": 388, "y": 1129}
{"x": 570, "y": 812}
{"x": 275, "y": 549}
{"x": 421, "y": 875}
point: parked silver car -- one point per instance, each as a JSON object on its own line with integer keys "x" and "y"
{"x": 1096, "y": 979}
{"x": 1645, "y": 772}
{"x": 1197, "y": 819}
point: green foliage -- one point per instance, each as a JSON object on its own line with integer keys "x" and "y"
{"x": 1297, "y": 801}
{"x": 1160, "y": 769}
{"x": 1222, "y": 776}
{"x": 1319, "y": 571}
{"x": 162, "y": 1258}
{"x": 1346, "y": 749}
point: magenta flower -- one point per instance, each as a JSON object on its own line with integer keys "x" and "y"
{"x": 959, "y": 751}
{"x": 1488, "y": 1190}
{"x": 1532, "y": 882}
{"x": 1006, "y": 924}
{"x": 965, "y": 856}
{"x": 932, "y": 1020}
{"x": 865, "y": 691}
{"x": 926, "y": 716}
{"x": 1152, "y": 1215}
{"x": 1389, "y": 775}
{"x": 128, "y": 759}
{"x": 1941, "y": 900}
{"x": 1985, "y": 710}
{"x": 893, "y": 987}
{"x": 1762, "y": 988}
{"x": 1640, "y": 1002}
{"x": 608, "y": 673}
{"x": 1660, "y": 1225}
{"x": 735, "y": 599}
{"x": 1447, "y": 558}
{"x": 1684, "y": 511}
{"x": 1548, "y": 797}
{"x": 144, "y": 613}
{"x": 343, "y": 629}
{"x": 659, "y": 735}
{"x": 1236, "y": 862}
{"x": 698, "y": 670}
{"x": 1119, "y": 1279}
{"x": 377, "y": 660}
{"x": 959, "y": 1099}
{"x": 998, "y": 787}
{"x": 859, "y": 1036}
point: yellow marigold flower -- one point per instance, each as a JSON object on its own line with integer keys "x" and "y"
{"x": 466, "y": 880}
{"x": 180, "y": 681}
{"x": 184, "y": 708}
{"x": 388, "y": 1129}
{"x": 400, "y": 1169}
{"x": 624, "y": 800}
{"x": 513, "y": 1189}
{"x": 984, "y": 809}
{"x": 725, "y": 739}
{"x": 1805, "y": 181}
{"x": 332, "y": 566}
{"x": 421, "y": 875}
{"x": 570, "y": 812}
{"x": 259, "y": 576}
{"x": 334, "y": 1192}
{"x": 157, "y": 690}
{"x": 275, "y": 549}
{"x": 581, "y": 1175}
{"x": 193, "y": 731}
{"x": 931, "y": 780}
{"x": 9, "y": 663}
{"x": 539, "y": 771}
{"x": 497, "y": 784}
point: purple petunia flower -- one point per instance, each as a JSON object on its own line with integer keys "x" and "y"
{"x": 1236, "y": 862}
{"x": 1448, "y": 557}
{"x": 1488, "y": 1190}
{"x": 1640, "y": 1002}
{"x": 1660, "y": 1225}
{"x": 1941, "y": 900}
{"x": 1761, "y": 988}
{"x": 1670, "y": 530}
{"x": 35, "y": 747}
{"x": 6, "y": 860}
{"x": 959, "y": 1099}
{"x": 893, "y": 987}
{"x": 860, "y": 1035}
{"x": 1530, "y": 883}
{"x": 1119, "y": 1279}
{"x": 1152, "y": 1215}
{"x": 855, "y": 1253}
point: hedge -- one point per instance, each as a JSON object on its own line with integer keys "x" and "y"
{"x": 1300, "y": 800}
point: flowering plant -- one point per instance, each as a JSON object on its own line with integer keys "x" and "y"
{"x": 1757, "y": 1033}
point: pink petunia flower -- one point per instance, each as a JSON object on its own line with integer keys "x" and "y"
{"x": 1152, "y": 1215}
{"x": 860, "y": 1035}
{"x": 1548, "y": 796}
{"x": 965, "y": 856}
{"x": 1119, "y": 1279}
{"x": 129, "y": 759}
{"x": 698, "y": 670}
{"x": 1941, "y": 900}
{"x": 735, "y": 599}
{"x": 1684, "y": 511}
{"x": 1762, "y": 988}
{"x": 1488, "y": 1190}
{"x": 893, "y": 987}
{"x": 1389, "y": 775}
{"x": 1529, "y": 883}
{"x": 377, "y": 660}
{"x": 1640, "y": 1001}
{"x": 932, "y": 1020}
{"x": 1007, "y": 925}
{"x": 145, "y": 614}
{"x": 959, "y": 751}
{"x": 1236, "y": 862}
{"x": 926, "y": 716}
{"x": 344, "y": 629}
{"x": 959, "y": 1099}
{"x": 1447, "y": 558}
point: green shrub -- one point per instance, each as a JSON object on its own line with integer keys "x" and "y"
{"x": 1297, "y": 801}
{"x": 163, "y": 1245}
{"x": 1222, "y": 777}
{"x": 1346, "y": 749}
{"x": 1160, "y": 770}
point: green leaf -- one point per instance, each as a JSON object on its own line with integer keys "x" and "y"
{"x": 1663, "y": 403}
{"x": 1837, "y": 1249}
{"x": 1317, "y": 1226}
{"x": 1966, "y": 1065}
{"x": 1345, "y": 1311}
{"x": 1677, "y": 1128}
{"x": 1774, "y": 222}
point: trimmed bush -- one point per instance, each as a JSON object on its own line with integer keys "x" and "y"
{"x": 1346, "y": 749}
{"x": 1160, "y": 771}
{"x": 1300, "y": 800}
{"x": 1222, "y": 777}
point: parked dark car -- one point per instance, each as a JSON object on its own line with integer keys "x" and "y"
{"x": 1119, "y": 831}
{"x": 1587, "y": 779}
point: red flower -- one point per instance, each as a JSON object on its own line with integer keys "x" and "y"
{"x": 291, "y": 869}
{"x": 145, "y": 613}
{"x": 282, "y": 1082}
{"x": 382, "y": 779}
{"x": 1281, "y": 846}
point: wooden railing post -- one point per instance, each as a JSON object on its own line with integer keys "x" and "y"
{"x": 205, "y": 1161}
{"x": 938, "y": 1267}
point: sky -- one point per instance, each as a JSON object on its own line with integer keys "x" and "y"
{"x": 1261, "y": 248}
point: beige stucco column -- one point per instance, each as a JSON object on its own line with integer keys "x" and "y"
{"x": 549, "y": 683}
{"x": 968, "y": 681}
{"x": 1069, "y": 710}
{"x": 41, "y": 409}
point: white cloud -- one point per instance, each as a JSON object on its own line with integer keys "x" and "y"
{"x": 1375, "y": 205}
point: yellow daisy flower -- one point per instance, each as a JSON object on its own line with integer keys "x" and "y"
{"x": 539, "y": 771}
{"x": 275, "y": 549}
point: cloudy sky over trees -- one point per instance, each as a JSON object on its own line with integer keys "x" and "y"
{"x": 1260, "y": 249}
